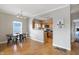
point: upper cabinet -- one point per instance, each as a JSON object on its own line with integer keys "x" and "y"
{"x": 42, "y": 24}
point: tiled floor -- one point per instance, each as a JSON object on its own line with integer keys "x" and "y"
{"x": 30, "y": 47}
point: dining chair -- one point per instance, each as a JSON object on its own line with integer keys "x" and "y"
{"x": 20, "y": 37}
{"x": 8, "y": 38}
{"x": 24, "y": 35}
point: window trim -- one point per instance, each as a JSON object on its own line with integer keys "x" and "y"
{"x": 20, "y": 26}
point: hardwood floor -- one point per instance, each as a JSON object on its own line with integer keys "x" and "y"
{"x": 30, "y": 47}
{"x": 75, "y": 48}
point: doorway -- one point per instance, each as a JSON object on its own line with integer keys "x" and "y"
{"x": 48, "y": 32}
{"x": 75, "y": 36}
{"x": 46, "y": 25}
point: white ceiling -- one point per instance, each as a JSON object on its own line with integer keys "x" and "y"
{"x": 29, "y": 9}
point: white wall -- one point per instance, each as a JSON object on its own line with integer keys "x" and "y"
{"x": 6, "y": 25}
{"x": 35, "y": 34}
{"x": 61, "y": 37}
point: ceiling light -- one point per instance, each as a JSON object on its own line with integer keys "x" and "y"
{"x": 20, "y": 15}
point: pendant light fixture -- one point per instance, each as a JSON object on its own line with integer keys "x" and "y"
{"x": 20, "y": 15}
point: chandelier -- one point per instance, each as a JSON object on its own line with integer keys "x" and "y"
{"x": 20, "y": 15}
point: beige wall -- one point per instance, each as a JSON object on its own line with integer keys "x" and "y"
{"x": 6, "y": 25}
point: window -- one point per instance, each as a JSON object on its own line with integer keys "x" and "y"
{"x": 17, "y": 27}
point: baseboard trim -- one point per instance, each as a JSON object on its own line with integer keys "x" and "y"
{"x": 3, "y": 42}
{"x": 36, "y": 39}
{"x": 60, "y": 47}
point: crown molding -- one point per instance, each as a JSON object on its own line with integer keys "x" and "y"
{"x": 51, "y": 10}
{"x": 31, "y": 15}
{"x": 14, "y": 13}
